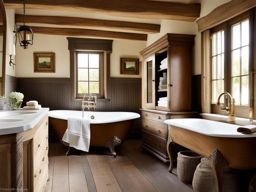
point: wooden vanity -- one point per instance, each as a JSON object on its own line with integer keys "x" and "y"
{"x": 216, "y": 140}
{"x": 24, "y": 156}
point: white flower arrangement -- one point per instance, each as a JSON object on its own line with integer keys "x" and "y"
{"x": 15, "y": 100}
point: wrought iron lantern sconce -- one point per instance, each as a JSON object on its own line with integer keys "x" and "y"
{"x": 24, "y": 33}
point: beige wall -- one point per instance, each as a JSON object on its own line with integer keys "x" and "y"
{"x": 125, "y": 48}
{"x": 43, "y": 43}
{"x": 168, "y": 26}
{"x": 59, "y": 45}
{"x": 10, "y": 41}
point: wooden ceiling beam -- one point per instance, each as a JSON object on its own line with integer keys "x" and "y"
{"x": 127, "y": 8}
{"x": 86, "y": 22}
{"x": 224, "y": 12}
{"x": 89, "y": 33}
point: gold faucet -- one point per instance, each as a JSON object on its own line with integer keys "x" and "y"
{"x": 228, "y": 106}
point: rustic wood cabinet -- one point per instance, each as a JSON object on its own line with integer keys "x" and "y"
{"x": 155, "y": 131}
{"x": 166, "y": 88}
{"x": 24, "y": 159}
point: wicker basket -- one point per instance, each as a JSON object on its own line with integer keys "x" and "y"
{"x": 186, "y": 165}
{"x": 204, "y": 179}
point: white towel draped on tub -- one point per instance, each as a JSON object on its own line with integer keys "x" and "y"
{"x": 78, "y": 134}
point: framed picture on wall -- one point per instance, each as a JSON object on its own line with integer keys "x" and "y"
{"x": 44, "y": 62}
{"x": 129, "y": 66}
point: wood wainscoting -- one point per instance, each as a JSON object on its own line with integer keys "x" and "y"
{"x": 10, "y": 84}
{"x": 124, "y": 94}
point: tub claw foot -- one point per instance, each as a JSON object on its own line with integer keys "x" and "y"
{"x": 115, "y": 141}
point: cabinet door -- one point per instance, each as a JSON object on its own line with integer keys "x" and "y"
{"x": 148, "y": 93}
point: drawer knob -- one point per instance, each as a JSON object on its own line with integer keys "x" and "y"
{"x": 146, "y": 114}
{"x": 159, "y": 131}
{"x": 35, "y": 175}
{"x": 40, "y": 171}
{"x": 38, "y": 145}
{"x": 43, "y": 159}
{"x": 159, "y": 117}
{"x": 146, "y": 126}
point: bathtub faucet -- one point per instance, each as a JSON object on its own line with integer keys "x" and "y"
{"x": 89, "y": 102}
{"x": 228, "y": 106}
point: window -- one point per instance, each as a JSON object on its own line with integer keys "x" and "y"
{"x": 240, "y": 62}
{"x": 88, "y": 60}
{"x": 217, "y": 61}
{"x": 89, "y": 73}
{"x": 230, "y": 60}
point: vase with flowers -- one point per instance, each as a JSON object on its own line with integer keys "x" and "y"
{"x": 15, "y": 100}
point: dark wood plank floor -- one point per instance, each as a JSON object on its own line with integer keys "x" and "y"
{"x": 133, "y": 170}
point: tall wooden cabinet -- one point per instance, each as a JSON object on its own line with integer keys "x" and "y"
{"x": 166, "y": 88}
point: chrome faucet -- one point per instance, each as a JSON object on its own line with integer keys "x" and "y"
{"x": 89, "y": 102}
{"x": 228, "y": 106}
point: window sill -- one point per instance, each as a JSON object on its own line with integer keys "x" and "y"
{"x": 101, "y": 99}
{"x": 224, "y": 118}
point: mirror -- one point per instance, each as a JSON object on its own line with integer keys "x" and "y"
{"x": 2, "y": 47}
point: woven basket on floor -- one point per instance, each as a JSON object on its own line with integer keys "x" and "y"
{"x": 186, "y": 165}
{"x": 204, "y": 179}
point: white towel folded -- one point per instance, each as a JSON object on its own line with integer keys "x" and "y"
{"x": 78, "y": 134}
{"x": 32, "y": 103}
{"x": 37, "y": 107}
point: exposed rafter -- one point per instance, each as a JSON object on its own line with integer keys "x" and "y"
{"x": 225, "y": 12}
{"x": 89, "y": 23}
{"x": 89, "y": 32}
{"x": 127, "y": 8}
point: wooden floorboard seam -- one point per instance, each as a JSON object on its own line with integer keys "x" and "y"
{"x": 91, "y": 184}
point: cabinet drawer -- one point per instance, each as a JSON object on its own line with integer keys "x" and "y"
{"x": 156, "y": 144}
{"x": 153, "y": 116}
{"x": 155, "y": 127}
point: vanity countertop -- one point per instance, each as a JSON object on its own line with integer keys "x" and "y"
{"x": 17, "y": 121}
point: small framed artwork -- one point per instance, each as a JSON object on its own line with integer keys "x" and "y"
{"x": 129, "y": 66}
{"x": 44, "y": 62}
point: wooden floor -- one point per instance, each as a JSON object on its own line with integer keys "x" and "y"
{"x": 133, "y": 171}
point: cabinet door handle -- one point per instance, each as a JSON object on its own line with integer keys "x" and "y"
{"x": 40, "y": 171}
{"x": 170, "y": 85}
{"x": 38, "y": 145}
{"x": 43, "y": 159}
{"x": 153, "y": 80}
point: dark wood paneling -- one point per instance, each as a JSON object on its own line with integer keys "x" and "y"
{"x": 10, "y": 84}
{"x": 196, "y": 93}
{"x": 124, "y": 94}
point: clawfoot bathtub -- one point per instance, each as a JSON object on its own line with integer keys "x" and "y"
{"x": 108, "y": 129}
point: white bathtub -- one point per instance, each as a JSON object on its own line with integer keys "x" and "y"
{"x": 209, "y": 127}
{"x": 104, "y": 125}
{"x": 98, "y": 117}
